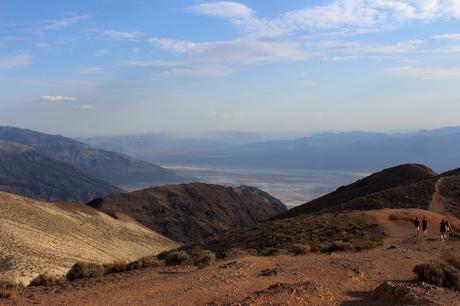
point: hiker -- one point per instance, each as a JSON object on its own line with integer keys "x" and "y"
{"x": 416, "y": 226}
{"x": 443, "y": 230}
{"x": 425, "y": 227}
{"x": 449, "y": 229}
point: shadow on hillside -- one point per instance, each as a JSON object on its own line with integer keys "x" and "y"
{"x": 361, "y": 296}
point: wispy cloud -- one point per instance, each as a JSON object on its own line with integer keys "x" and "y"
{"x": 101, "y": 52}
{"x": 428, "y": 73}
{"x": 88, "y": 107}
{"x": 157, "y": 63}
{"x": 90, "y": 70}
{"x": 450, "y": 36}
{"x": 67, "y": 20}
{"x": 57, "y": 99}
{"x": 123, "y": 35}
{"x": 14, "y": 61}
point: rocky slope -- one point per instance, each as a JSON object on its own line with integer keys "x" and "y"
{"x": 405, "y": 186}
{"x": 26, "y": 172}
{"x": 116, "y": 168}
{"x": 193, "y": 212}
{"x": 38, "y": 237}
{"x": 337, "y": 278}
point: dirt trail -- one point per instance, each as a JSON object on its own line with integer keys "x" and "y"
{"x": 437, "y": 202}
{"x": 344, "y": 278}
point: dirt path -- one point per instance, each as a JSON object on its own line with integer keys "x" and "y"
{"x": 437, "y": 202}
{"x": 315, "y": 279}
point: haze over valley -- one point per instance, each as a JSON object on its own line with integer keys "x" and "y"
{"x": 230, "y": 153}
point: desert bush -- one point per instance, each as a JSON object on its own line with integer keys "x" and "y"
{"x": 144, "y": 262}
{"x": 235, "y": 253}
{"x": 300, "y": 249}
{"x": 177, "y": 258}
{"x": 7, "y": 293}
{"x": 47, "y": 280}
{"x": 204, "y": 258}
{"x": 84, "y": 270}
{"x": 338, "y": 245}
{"x": 439, "y": 274}
{"x": 115, "y": 267}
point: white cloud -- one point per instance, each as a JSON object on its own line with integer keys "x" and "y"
{"x": 88, "y": 107}
{"x": 90, "y": 70}
{"x": 14, "y": 61}
{"x": 101, "y": 52}
{"x": 150, "y": 63}
{"x": 122, "y": 35}
{"x": 64, "y": 22}
{"x": 224, "y": 9}
{"x": 428, "y": 73}
{"x": 57, "y": 99}
{"x": 450, "y": 36}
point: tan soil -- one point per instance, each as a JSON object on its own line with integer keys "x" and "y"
{"x": 345, "y": 278}
{"x": 38, "y": 237}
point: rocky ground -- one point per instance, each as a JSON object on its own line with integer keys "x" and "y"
{"x": 381, "y": 276}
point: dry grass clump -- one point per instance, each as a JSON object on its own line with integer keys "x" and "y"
{"x": 47, "y": 280}
{"x": 203, "y": 258}
{"x": 300, "y": 248}
{"x": 144, "y": 262}
{"x": 235, "y": 253}
{"x": 85, "y": 269}
{"x": 443, "y": 273}
{"x": 177, "y": 258}
{"x": 7, "y": 293}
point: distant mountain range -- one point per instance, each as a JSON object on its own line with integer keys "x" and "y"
{"x": 53, "y": 167}
{"x": 348, "y": 151}
{"x": 193, "y": 212}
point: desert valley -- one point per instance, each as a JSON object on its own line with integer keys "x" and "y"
{"x": 204, "y": 244}
{"x": 229, "y": 153}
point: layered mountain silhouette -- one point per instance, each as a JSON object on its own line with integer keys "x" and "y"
{"x": 404, "y": 186}
{"x": 348, "y": 151}
{"x": 115, "y": 168}
{"x": 193, "y": 212}
{"x": 25, "y": 171}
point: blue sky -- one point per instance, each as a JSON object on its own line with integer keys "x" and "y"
{"x": 121, "y": 67}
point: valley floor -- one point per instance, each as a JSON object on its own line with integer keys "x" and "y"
{"x": 316, "y": 279}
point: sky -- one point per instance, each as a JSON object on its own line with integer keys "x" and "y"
{"x": 106, "y": 67}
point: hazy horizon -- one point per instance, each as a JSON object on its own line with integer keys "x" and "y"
{"x": 118, "y": 67}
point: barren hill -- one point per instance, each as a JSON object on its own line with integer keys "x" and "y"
{"x": 193, "y": 212}
{"x": 404, "y": 186}
{"x": 116, "y": 168}
{"x": 38, "y": 237}
{"x": 26, "y": 172}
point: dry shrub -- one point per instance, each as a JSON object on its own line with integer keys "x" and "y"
{"x": 115, "y": 267}
{"x": 144, "y": 262}
{"x": 235, "y": 253}
{"x": 84, "y": 270}
{"x": 177, "y": 258}
{"x": 7, "y": 293}
{"x": 339, "y": 245}
{"x": 300, "y": 249}
{"x": 439, "y": 274}
{"x": 47, "y": 280}
{"x": 204, "y": 258}
{"x": 452, "y": 259}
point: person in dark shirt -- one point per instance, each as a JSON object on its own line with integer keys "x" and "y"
{"x": 443, "y": 230}
{"x": 425, "y": 227}
{"x": 416, "y": 226}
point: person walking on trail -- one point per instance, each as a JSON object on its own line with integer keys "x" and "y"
{"x": 449, "y": 229}
{"x": 425, "y": 227}
{"x": 416, "y": 226}
{"x": 443, "y": 230}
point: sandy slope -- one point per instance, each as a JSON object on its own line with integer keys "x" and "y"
{"x": 345, "y": 278}
{"x": 38, "y": 237}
